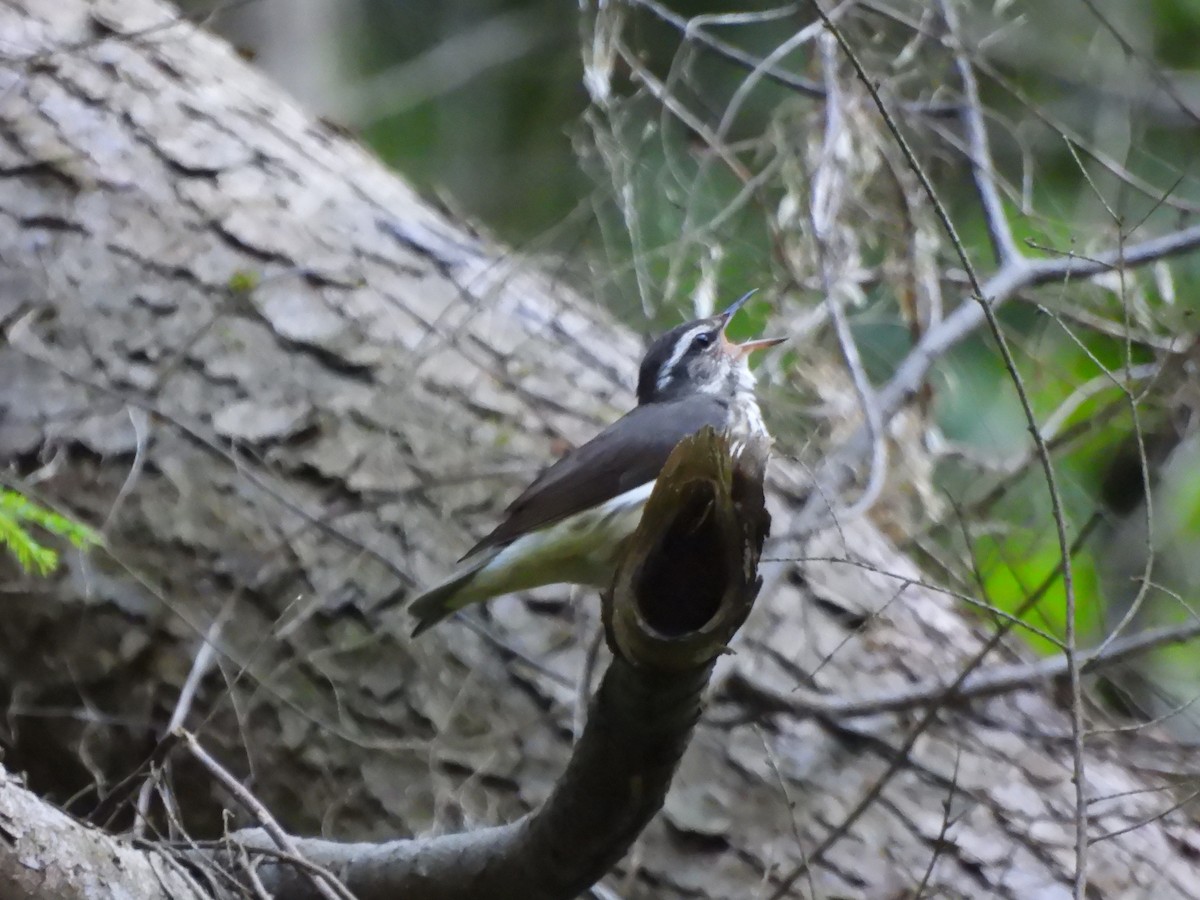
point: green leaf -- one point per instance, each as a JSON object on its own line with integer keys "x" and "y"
{"x": 17, "y": 512}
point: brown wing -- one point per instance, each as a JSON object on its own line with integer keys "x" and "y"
{"x": 629, "y": 453}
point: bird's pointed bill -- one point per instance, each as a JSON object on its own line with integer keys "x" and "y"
{"x": 737, "y": 304}
{"x": 748, "y": 347}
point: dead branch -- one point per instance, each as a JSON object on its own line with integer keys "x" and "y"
{"x": 987, "y": 681}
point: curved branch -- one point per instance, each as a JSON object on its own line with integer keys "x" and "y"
{"x": 684, "y": 586}
{"x": 837, "y": 469}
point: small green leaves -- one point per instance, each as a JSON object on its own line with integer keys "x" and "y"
{"x": 17, "y": 513}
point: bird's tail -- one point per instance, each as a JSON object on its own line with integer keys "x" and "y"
{"x": 444, "y": 599}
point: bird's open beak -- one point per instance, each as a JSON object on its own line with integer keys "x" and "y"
{"x": 748, "y": 347}
{"x": 737, "y": 304}
{"x": 745, "y": 349}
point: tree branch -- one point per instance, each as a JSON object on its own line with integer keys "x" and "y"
{"x": 939, "y": 692}
{"x": 45, "y": 853}
{"x": 684, "y": 586}
{"x": 837, "y": 469}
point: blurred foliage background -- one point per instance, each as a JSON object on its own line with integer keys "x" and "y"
{"x": 651, "y": 164}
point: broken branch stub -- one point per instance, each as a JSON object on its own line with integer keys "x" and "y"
{"x": 689, "y": 574}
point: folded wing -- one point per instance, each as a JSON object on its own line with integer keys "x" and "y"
{"x": 629, "y": 453}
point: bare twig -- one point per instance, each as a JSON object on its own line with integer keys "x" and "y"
{"x": 979, "y": 151}
{"x": 940, "y": 842}
{"x": 583, "y": 688}
{"x": 985, "y": 181}
{"x": 827, "y": 193}
{"x": 1186, "y": 800}
{"x": 996, "y": 290}
{"x": 901, "y": 755}
{"x": 718, "y": 139}
{"x": 201, "y": 664}
{"x": 693, "y": 29}
{"x": 984, "y": 682}
{"x": 325, "y": 883}
{"x": 141, "y": 427}
{"x": 249, "y": 867}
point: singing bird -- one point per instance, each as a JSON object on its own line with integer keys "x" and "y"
{"x": 568, "y": 526}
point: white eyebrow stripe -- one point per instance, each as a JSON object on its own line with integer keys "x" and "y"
{"x": 666, "y": 373}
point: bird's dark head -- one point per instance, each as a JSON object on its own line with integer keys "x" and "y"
{"x": 697, "y": 357}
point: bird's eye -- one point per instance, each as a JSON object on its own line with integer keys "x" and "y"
{"x": 702, "y": 340}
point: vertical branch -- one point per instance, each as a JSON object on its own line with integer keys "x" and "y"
{"x": 978, "y": 149}
{"x": 827, "y": 194}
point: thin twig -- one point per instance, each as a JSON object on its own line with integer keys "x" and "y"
{"x": 978, "y": 149}
{"x": 827, "y": 193}
{"x": 325, "y": 882}
{"x": 940, "y": 842}
{"x": 900, "y": 757}
{"x": 1000, "y": 287}
{"x": 583, "y": 688}
{"x": 985, "y": 181}
{"x": 251, "y": 870}
{"x": 720, "y": 133}
{"x": 201, "y": 664}
{"x": 693, "y": 29}
{"x": 990, "y": 681}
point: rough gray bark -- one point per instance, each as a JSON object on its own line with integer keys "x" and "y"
{"x": 56, "y": 857}
{"x": 285, "y": 454}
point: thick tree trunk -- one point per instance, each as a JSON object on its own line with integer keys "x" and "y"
{"x": 274, "y": 458}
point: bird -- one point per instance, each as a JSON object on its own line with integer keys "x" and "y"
{"x": 568, "y": 525}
